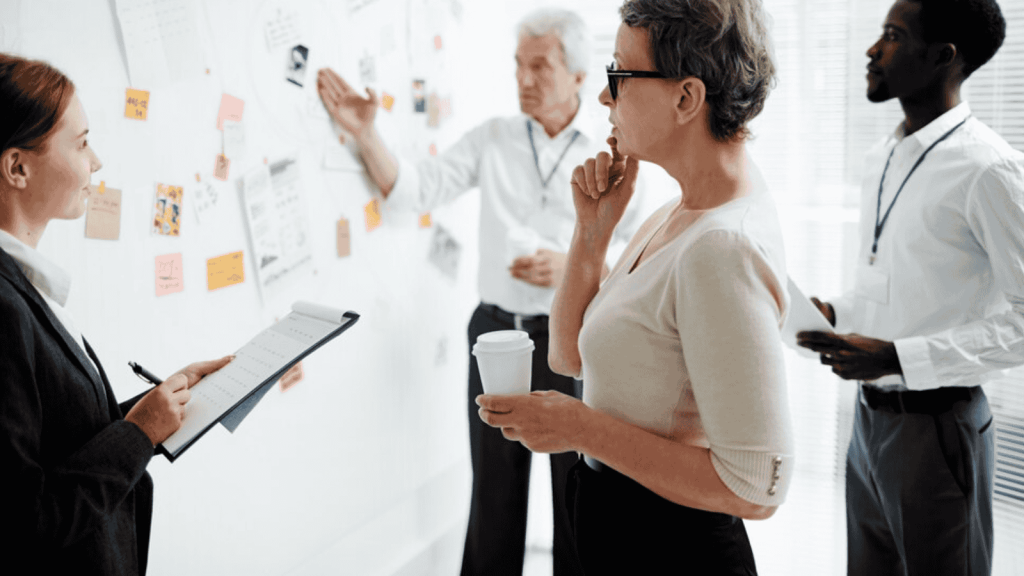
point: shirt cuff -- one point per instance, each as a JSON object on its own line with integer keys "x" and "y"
{"x": 916, "y": 362}
{"x": 404, "y": 194}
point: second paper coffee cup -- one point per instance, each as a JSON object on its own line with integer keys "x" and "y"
{"x": 505, "y": 359}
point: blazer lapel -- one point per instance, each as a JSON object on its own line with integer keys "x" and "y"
{"x": 10, "y": 270}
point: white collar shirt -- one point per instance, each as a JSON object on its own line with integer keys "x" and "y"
{"x": 52, "y": 283}
{"x": 497, "y": 157}
{"x": 948, "y": 278}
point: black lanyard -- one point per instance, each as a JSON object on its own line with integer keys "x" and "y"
{"x": 878, "y": 210}
{"x": 536, "y": 160}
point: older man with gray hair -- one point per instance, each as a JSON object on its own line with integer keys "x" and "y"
{"x": 522, "y": 165}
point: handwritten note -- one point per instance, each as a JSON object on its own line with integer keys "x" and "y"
{"x": 103, "y": 213}
{"x": 168, "y": 274}
{"x": 225, "y": 270}
{"x": 433, "y": 110}
{"x": 136, "y": 104}
{"x": 425, "y": 220}
{"x": 220, "y": 169}
{"x": 372, "y": 210}
{"x": 387, "y": 101}
{"x": 230, "y": 109}
{"x": 234, "y": 139}
{"x": 344, "y": 239}
{"x": 204, "y": 198}
{"x": 167, "y": 210}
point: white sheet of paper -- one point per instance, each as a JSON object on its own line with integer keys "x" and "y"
{"x": 254, "y": 363}
{"x": 803, "y": 316}
{"x": 234, "y": 139}
{"x": 161, "y": 41}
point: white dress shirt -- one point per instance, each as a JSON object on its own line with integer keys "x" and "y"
{"x": 947, "y": 286}
{"x": 497, "y": 157}
{"x": 52, "y": 283}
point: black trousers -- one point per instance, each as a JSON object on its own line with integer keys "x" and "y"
{"x": 623, "y": 528}
{"x": 496, "y": 537}
{"x": 919, "y": 487}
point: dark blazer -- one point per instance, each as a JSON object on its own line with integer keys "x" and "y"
{"x": 75, "y": 497}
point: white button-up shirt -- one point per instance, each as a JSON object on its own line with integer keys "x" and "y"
{"x": 52, "y": 283}
{"x": 497, "y": 157}
{"x": 948, "y": 279}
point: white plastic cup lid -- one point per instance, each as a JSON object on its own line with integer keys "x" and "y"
{"x": 503, "y": 342}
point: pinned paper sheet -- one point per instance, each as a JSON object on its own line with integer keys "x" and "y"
{"x": 433, "y": 110}
{"x": 225, "y": 270}
{"x": 204, "y": 198}
{"x": 103, "y": 213}
{"x": 344, "y": 239}
{"x": 367, "y": 69}
{"x": 168, "y": 274}
{"x": 432, "y": 149}
{"x": 167, "y": 210}
{"x": 437, "y": 42}
{"x": 230, "y": 109}
{"x": 221, "y": 166}
{"x": 234, "y": 139}
{"x": 425, "y": 220}
{"x": 387, "y": 101}
{"x": 444, "y": 252}
{"x": 803, "y": 316}
{"x": 136, "y": 104}
{"x": 372, "y": 210}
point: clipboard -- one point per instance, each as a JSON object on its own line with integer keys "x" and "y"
{"x": 256, "y": 367}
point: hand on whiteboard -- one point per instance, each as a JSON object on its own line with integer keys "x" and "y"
{"x": 159, "y": 413}
{"x": 545, "y": 268}
{"x": 350, "y": 110}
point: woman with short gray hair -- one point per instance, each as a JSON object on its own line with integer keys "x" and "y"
{"x": 684, "y": 427}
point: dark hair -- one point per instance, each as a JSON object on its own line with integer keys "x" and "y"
{"x": 976, "y": 27}
{"x": 724, "y": 43}
{"x": 33, "y": 97}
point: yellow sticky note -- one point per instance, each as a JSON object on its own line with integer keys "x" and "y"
{"x": 224, "y": 271}
{"x": 387, "y": 101}
{"x": 136, "y": 104}
{"x": 344, "y": 239}
{"x": 425, "y": 220}
{"x": 372, "y": 210}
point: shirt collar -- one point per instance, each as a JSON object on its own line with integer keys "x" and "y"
{"x": 582, "y": 122}
{"x": 46, "y": 276}
{"x": 935, "y": 129}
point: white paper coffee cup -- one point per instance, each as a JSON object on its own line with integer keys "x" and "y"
{"x": 505, "y": 359}
{"x": 520, "y": 241}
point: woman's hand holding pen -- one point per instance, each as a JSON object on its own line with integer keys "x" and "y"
{"x": 160, "y": 412}
{"x": 602, "y": 188}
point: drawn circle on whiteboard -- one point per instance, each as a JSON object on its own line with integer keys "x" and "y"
{"x": 287, "y": 43}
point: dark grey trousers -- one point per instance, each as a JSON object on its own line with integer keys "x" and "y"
{"x": 919, "y": 491}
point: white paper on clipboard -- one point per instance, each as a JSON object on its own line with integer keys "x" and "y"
{"x": 803, "y": 316}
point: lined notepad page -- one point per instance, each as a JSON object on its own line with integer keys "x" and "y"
{"x": 253, "y": 365}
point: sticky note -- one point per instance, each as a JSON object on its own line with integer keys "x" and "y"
{"x": 445, "y": 107}
{"x": 432, "y": 149}
{"x": 425, "y": 220}
{"x": 372, "y": 210}
{"x": 220, "y": 168}
{"x": 168, "y": 274}
{"x": 433, "y": 110}
{"x": 230, "y": 109}
{"x": 224, "y": 271}
{"x": 136, "y": 104}
{"x": 387, "y": 101}
{"x": 167, "y": 210}
{"x": 344, "y": 239}
{"x": 437, "y": 42}
{"x": 103, "y": 213}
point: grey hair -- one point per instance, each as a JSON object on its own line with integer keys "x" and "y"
{"x": 568, "y": 27}
{"x": 724, "y": 43}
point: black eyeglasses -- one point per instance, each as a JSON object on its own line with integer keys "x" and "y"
{"x": 614, "y": 76}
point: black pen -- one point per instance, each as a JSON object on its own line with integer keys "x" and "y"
{"x": 144, "y": 374}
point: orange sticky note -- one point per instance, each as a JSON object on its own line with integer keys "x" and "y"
{"x": 425, "y": 220}
{"x": 344, "y": 239}
{"x": 372, "y": 210}
{"x": 437, "y": 42}
{"x": 230, "y": 109}
{"x": 103, "y": 213}
{"x": 220, "y": 169}
{"x": 224, "y": 271}
{"x": 136, "y": 104}
{"x": 168, "y": 274}
{"x": 387, "y": 101}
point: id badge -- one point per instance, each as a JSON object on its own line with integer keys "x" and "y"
{"x": 872, "y": 283}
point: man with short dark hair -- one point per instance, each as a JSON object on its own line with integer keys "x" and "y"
{"x": 938, "y": 305}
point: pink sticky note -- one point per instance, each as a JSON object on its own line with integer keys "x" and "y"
{"x": 168, "y": 274}
{"x": 230, "y": 109}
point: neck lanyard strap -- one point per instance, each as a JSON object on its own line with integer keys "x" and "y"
{"x": 536, "y": 159}
{"x": 880, "y": 224}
